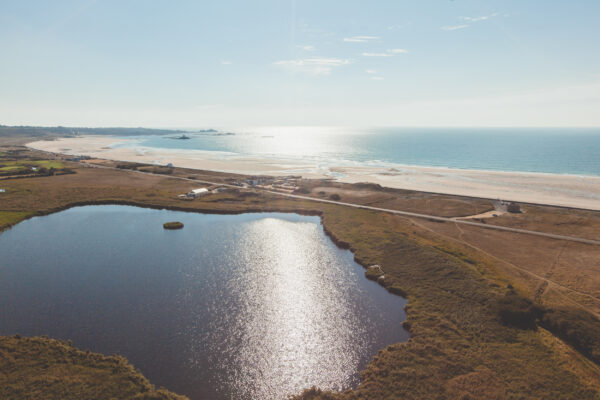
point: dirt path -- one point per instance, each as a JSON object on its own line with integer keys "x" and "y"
{"x": 445, "y": 219}
{"x": 397, "y": 212}
{"x": 547, "y": 284}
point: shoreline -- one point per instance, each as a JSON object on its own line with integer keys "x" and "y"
{"x": 563, "y": 190}
{"x": 344, "y": 163}
{"x": 353, "y": 369}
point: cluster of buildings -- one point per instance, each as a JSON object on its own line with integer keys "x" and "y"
{"x": 510, "y": 206}
{"x": 283, "y": 183}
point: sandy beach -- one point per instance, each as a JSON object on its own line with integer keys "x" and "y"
{"x": 542, "y": 188}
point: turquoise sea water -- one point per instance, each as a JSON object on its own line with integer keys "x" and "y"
{"x": 551, "y": 150}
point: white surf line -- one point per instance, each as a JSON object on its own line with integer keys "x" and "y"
{"x": 387, "y": 210}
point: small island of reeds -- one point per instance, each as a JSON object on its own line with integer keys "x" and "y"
{"x": 173, "y": 225}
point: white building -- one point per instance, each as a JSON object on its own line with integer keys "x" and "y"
{"x": 198, "y": 192}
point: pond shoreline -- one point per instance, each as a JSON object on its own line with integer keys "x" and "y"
{"x": 455, "y": 336}
{"x": 328, "y": 279}
{"x": 338, "y": 242}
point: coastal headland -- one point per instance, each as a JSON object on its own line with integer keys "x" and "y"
{"x": 492, "y": 314}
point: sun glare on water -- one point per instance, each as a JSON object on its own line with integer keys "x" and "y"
{"x": 292, "y": 332}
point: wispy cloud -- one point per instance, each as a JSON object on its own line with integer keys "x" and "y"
{"x": 399, "y": 26}
{"x": 397, "y": 51}
{"x": 313, "y": 66}
{"x": 376, "y": 55}
{"x": 306, "y": 47}
{"x": 370, "y": 71}
{"x": 471, "y": 20}
{"x": 475, "y": 19}
{"x": 454, "y": 27}
{"x": 360, "y": 39}
{"x": 481, "y": 17}
{"x": 226, "y": 62}
{"x": 387, "y": 53}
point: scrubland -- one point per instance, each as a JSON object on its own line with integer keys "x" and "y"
{"x": 492, "y": 315}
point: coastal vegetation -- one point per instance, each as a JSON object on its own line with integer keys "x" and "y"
{"x": 43, "y": 368}
{"x": 492, "y": 314}
{"x": 517, "y": 311}
{"x": 173, "y": 225}
{"x": 157, "y": 170}
{"x": 576, "y": 327}
{"x": 374, "y": 272}
{"x": 12, "y": 164}
{"x": 9, "y": 218}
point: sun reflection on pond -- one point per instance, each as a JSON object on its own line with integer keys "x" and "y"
{"x": 295, "y": 326}
{"x": 254, "y": 306}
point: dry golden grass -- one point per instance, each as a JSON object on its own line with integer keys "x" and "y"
{"x": 42, "y": 368}
{"x": 555, "y": 272}
{"x": 559, "y": 220}
{"x": 459, "y": 348}
{"x": 397, "y": 199}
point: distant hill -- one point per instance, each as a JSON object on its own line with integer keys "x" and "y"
{"x": 71, "y": 131}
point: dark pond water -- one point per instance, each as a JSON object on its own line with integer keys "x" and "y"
{"x": 253, "y": 306}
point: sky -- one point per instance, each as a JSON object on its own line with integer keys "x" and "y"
{"x": 300, "y": 62}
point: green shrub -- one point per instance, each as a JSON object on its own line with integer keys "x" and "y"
{"x": 173, "y": 225}
{"x": 397, "y": 290}
{"x": 303, "y": 190}
{"x": 517, "y": 311}
{"x": 373, "y": 272}
{"x": 576, "y": 327}
{"x": 313, "y": 394}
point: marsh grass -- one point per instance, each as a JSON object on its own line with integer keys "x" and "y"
{"x": 460, "y": 348}
{"x": 173, "y": 225}
{"x": 517, "y": 311}
{"x": 42, "y": 368}
{"x": 10, "y": 218}
{"x": 576, "y": 327}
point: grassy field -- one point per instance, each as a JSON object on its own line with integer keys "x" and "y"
{"x": 9, "y": 218}
{"x": 488, "y": 319}
{"x": 14, "y": 165}
{"x": 43, "y": 368}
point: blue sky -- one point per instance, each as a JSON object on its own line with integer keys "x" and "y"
{"x": 267, "y": 62}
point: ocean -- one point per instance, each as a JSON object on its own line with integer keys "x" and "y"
{"x": 549, "y": 150}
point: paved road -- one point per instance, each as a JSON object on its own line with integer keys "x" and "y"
{"x": 397, "y": 212}
{"x": 445, "y": 219}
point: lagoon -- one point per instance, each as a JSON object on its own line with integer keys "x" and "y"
{"x": 231, "y": 306}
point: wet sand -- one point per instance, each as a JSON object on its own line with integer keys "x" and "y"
{"x": 541, "y": 188}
